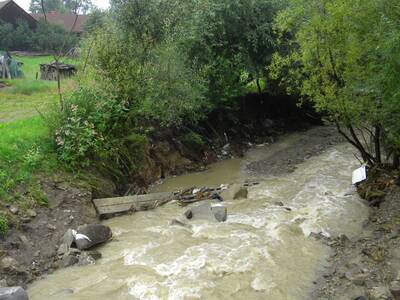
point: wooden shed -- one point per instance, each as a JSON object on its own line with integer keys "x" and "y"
{"x": 11, "y": 12}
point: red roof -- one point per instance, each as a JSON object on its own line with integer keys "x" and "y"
{"x": 66, "y": 20}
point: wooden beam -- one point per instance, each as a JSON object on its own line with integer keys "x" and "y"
{"x": 119, "y": 205}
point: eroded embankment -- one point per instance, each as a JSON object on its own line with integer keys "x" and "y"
{"x": 367, "y": 267}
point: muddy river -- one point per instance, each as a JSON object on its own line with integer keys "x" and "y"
{"x": 262, "y": 252}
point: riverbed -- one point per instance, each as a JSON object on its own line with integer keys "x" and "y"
{"x": 263, "y": 251}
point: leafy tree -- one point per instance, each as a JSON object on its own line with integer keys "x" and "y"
{"x": 52, "y": 38}
{"x": 62, "y": 6}
{"x": 344, "y": 57}
{"x": 234, "y": 41}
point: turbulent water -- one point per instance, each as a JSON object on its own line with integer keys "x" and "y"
{"x": 262, "y": 252}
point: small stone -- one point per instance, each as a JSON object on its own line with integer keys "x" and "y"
{"x": 8, "y": 263}
{"x": 357, "y": 278}
{"x": 69, "y": 260}
{"x": 395, "y": 289}
{"x": 68, "y": 238}
{"x": 85, "y": 259}
{"x": 51, "y": 227}
{"x": 24, "y": 240}
{"x": 14, "y": 209}
{"x": 279, "y": 203}
{"x": 380, "y": 293}
{"x": 37, "y": 253}
{"x": 361, "y": 298}
{"x": 62, "y": 249}
{"x": 94, "y": 254}
{"x": 31, "y": 213}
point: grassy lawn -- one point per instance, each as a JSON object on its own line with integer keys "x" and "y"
{"x": 26, "y": 96}
{"x": 26, "y": 148}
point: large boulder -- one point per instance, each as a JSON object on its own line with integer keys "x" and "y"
{"x": 13, "y": 293}
{"x": 235, "y": 191}
{"x": 88, "y": 236}
{"x": 206, "y": 211}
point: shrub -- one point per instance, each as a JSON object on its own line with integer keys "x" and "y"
{"x": 193, "y": 141}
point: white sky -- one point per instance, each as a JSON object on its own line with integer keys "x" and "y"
{"x": 99, "y": 3}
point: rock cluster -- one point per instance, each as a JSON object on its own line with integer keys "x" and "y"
{"x": 75, "y": 243}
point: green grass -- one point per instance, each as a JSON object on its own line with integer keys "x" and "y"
{"x": 24, "y": 97}
{"x": 25, "y": 149}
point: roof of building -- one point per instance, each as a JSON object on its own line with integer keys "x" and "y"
{"x": 10, "y": 12}
{"x": 68, "y": 21}
{"x": 3, "y": 3}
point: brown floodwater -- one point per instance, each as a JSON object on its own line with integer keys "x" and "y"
{"x": 262, "y": 252}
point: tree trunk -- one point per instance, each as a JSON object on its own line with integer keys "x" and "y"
{"x": 258, "y": 85}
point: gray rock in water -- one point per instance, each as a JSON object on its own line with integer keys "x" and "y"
{"x": 220, "y": 213}
{"x": 96, "y": 234}
{"x": 13, "y": 293}
{"x": 206, "y": 211}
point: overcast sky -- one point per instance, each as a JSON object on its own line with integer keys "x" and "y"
{"x": 100, "y": 3}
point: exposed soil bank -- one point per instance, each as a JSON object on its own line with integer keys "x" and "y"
{"x": 368, "y": 267}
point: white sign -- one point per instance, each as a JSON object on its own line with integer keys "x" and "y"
{"x": 359, "y": 175}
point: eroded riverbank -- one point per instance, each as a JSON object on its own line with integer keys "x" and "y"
{"x": 258, "y": 253}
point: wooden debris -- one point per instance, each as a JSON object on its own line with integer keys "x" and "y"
{"x": 119, "y": 205}
{"x": 49, "y": 71}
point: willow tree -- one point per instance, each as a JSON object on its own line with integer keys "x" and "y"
{"x": 344, "y": 56}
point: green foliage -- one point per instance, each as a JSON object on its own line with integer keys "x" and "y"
{"x": 3, "y": 224}
{"x": 46, "y": 37}
{"x": 193, "y": 141}
{"x": 344, "y": 56}
{"x": 63, "y": 6}
{"x": 53, "y": 38}
{"x": 228, "y": 39}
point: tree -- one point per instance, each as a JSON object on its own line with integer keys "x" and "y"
{"x": 233, "y": 40}
{"x": 62, "y": 6}
{"x": 344, "y": 57}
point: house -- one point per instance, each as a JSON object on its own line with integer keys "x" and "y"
{"x": 11, "y": 12}
{"x": 69, "y": 21}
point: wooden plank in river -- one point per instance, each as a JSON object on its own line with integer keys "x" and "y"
{"x": 119, "y": 205}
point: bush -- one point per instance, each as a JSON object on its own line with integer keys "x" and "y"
{"x": 193, "y": 141}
